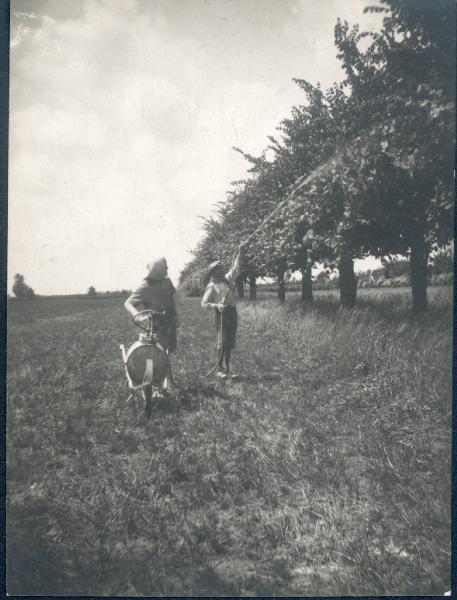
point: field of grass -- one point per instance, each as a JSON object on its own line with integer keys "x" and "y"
{"x": 324, "y": 470}
{"x": 26, "y": 311}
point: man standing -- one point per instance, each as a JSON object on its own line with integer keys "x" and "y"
{"x": 220, "y": 296}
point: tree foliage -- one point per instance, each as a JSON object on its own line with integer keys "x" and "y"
{"x": 20, "y": 289}
{"x": 372, "y": 155}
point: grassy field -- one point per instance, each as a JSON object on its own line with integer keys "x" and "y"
{"x": 324, "y": 470}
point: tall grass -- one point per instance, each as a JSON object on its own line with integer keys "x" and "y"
{"x": 325, "y": 470}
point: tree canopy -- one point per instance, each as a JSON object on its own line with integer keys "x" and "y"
{"x": 373, "y": 155}
{"x": 20, "y": 289}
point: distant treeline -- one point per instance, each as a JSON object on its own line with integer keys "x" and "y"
{"x": 86, "y": 296}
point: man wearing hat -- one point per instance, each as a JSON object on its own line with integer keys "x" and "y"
{"x": 220, "y": 296}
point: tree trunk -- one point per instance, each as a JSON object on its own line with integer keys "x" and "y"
{"x": 348, "y": 281}
{"x": 281, "y": 284}
{"x": 418, "y": 261}
{"x": 252, "y": 287}
{"x": 306, "y": 286}
{"x": 240, "y": 287}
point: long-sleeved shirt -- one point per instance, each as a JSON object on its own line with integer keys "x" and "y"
{"x": 223, "y": 291}
{"x": 159, "y": 296}
{"x": 156, "y": 295}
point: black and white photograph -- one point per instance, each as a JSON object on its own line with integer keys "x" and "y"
{"x": 230, "y": 298}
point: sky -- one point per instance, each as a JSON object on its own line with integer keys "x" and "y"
{"x": 123, "y": 119}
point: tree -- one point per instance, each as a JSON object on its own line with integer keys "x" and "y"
{"x": 403, "y": 85}
{"x": 443, "y": 262}
{"x": 252, "y": 287}
{"x": 91, "y": 292}
{"x": 372, "y": 156}
{"x": 394, "y": 266}
{"x": 20, "y": 289}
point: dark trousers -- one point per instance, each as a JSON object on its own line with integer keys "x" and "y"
{"x": 226, "y": 335}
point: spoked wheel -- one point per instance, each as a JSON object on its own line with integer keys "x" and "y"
{"x": 147, "y": 395}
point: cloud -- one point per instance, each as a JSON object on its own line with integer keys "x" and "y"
{"x": 123, "y": 118}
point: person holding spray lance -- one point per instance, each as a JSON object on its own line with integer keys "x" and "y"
{"x": 220, "y": 296}
{"x": 220, "y": 292}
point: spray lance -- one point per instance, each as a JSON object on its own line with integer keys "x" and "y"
{"x": 301, "y": 183}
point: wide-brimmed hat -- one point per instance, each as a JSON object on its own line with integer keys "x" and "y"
{"x": 214, "y": 265}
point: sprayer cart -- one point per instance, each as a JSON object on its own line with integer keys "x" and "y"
{"x": 146, "y": 361}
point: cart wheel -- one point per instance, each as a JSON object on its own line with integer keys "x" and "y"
{"x": 147, "y": 395}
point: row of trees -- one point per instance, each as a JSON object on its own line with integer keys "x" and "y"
{"x": 92, "y": 293}
{"x": 373, "y": 156}
{"x": 22, "y": 291}
{"x": 395, "y": 273}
